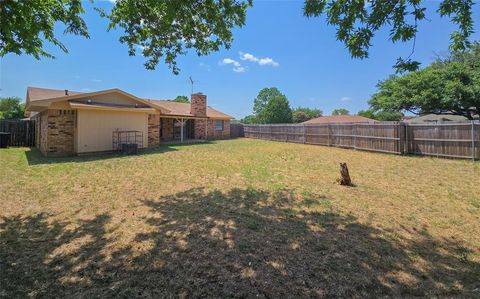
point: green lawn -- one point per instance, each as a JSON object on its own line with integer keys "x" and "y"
{"x": 238, "y": 218}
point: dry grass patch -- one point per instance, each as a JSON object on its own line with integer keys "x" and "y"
{"x": 238, "y": 218}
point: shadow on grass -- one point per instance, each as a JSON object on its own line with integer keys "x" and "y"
{"x": 35, "y": 157}
{"x": 242, "y": 243}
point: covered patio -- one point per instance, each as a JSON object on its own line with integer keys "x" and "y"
{"x": 183, "y": 129}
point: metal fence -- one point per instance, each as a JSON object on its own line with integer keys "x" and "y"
{"x": 455, "y": 140}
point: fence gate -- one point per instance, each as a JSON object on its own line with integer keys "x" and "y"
{"x": 22, "y": 132}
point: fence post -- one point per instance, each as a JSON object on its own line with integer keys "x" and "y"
{"x": 329, "y": 133}
{"x": 354, "y": 131}
{"x": 473, "y": 141}
{"x": 304, "y": 134}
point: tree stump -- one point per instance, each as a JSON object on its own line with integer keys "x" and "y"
{"x": 344, "y": 175}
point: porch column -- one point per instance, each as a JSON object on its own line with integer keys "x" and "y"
{"x": 181, "y": 130}
{"x": 206, "y": 129}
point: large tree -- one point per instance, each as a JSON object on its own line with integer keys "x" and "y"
{"x": 301, "y": 114}
{"x": 164, "y": 29}
{"x": 340, "y": 111}
{"x": 11, "y": 108}
{"x": 249, "y": 119}
{"x": 381, "y": 115}
{"x": 277, "y": 111}
{"x": 263, "y": 97}
{"x": 450, "y": 85}
{"x": 181, "y": 99}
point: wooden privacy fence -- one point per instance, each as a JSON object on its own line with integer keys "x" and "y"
{"x": 236, "y": 130}
{"x": 456, "y": 140}
{"x": 22, "y": 132}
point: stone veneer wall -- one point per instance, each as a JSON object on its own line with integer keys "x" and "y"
{"x": 212, "y": 134}
{"x": 153, "y": 130}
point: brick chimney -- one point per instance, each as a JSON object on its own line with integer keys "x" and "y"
{"x": 198, "y": 104}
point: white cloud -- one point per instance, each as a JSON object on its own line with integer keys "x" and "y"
{"x": 237, "y": 67}
{"x": 206, "y": 66}
{"x": 260, "y": 61}
{"x": 97, "y": 80}
{"x": 346, "y": 99}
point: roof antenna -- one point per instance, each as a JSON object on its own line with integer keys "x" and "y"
{"x": 191, "y": 82}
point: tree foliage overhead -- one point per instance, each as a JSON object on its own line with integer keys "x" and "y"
{"x": 301, "y": 114}
{"x": 450, "y": 85}
{"x": 357, "y": 21}
{"x": 181, "y": 99}
{"x": 11, "y": 108}
{"x": 340, "y": 111}
{"x": 166, "y": 29}
{"x": 26, "y": 24}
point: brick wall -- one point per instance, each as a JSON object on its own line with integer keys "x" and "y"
{"x": 212, "y": 134}
{"x": 198, "y": 105}
{"x": 60, "y": 132}
{"x": 167, "y": 129}
{"x": 42, "y": 131}
{"x": 55, "y": 132}
{"x": 199, "y": 128}
{"x": 153, "y": 130}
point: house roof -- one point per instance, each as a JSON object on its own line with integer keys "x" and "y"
{"x": 339, "y": 119}
{"x": 183, "y": 109}
{"x": 43, "y": 97}
{"x": 36, "y": 93}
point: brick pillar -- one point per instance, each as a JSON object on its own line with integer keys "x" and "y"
{"x": 198, "y": 107}
{"x": 153, "y": 130}
{"x": 58, "y": 127}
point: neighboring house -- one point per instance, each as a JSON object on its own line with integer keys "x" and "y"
{"x": 338, "y": 119}
{"x": 69, "y": 122}
{"x": 437, "y": 118}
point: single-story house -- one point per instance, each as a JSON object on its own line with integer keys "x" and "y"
{"x": 338, "y": 119}
{"x": 69, "y": 122}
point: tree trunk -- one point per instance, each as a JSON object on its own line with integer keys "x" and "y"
{"x": 344, "y": 175}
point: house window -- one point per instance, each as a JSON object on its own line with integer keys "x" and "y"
{"x": 219, "y": 125}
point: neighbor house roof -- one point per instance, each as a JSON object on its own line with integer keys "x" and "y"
{"x": 183, "y": 109}
{"x": 339, "y": 119}
{"x": 437, "y": 118}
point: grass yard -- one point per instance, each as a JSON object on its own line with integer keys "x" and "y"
{"x": 238, "y": 218}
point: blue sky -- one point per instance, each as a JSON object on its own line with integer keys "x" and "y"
{"x": 279, "y": 47}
